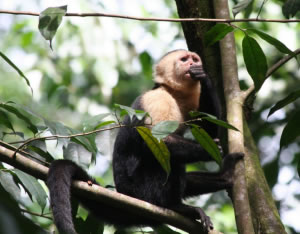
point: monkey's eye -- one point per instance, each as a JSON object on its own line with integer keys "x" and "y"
{"x": 184, "y": 59}
{"x": 195, "y": 59}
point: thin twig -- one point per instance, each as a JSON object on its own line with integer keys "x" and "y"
{"x": 35, "y": 214}
{"x": 55, "y": 137}
{"x": 282, "y": 61}
{"x": 158, "y": 19}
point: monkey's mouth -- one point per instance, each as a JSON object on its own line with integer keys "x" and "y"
{"x": 187, "y": 74}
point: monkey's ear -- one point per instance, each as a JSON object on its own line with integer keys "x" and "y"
{"x": 197, "y": 72}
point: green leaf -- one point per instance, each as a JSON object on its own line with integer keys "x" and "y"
{"x": 88, "y": 141}
{"x": 221, "y": 123}
{"x": 207, "y": 143}
{"x": 195, "y": 114}
{"x": 57, "y": 128}
{"x": 158, "y": 148}
{"x": 92, "y": 123}
{"x": 49, "y": 21}
{"x": 216, "y": 33}
{"x": 17, "y": 69}
{"x": 291, "y": 131}
{"x": 46, "y": 155}
{"x": 76, "y": 153}
{"x": 255, "y": 61}
{"x": 287, "y": 100}
{"x": 34, "y": 187}
{"x": 290, "y": 8}
{"x": 20, "y": 115}
{"x": 139, "y": 114}
{"x": 164, "y": 128}
{"x": 4, "y": 120}
{"x": 104, "y": 124}
{"x": 240, "y": 6}
{"x": 273, "y": 41}
{"x": 8, "y": 182}
{"x": 213, "y": 119}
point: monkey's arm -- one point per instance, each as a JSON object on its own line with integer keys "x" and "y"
{"x": 198, "y": 183}
{"x": 185, "y": 151}
{"x": 209, "y": 101}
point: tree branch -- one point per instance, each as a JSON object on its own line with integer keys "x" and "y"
{"x": 101, "y": 194}
{"x": 234, "y": 108}
{"x": 158, "y": 19}
{"x": 281, "y": 62}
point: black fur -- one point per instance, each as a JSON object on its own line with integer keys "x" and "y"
{"x": 137, "y": 173}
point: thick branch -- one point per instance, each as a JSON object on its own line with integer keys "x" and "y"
{"x": 234, "y": 108}
{"x": 101, "y": 194}
{"x": 264, "y": 212}
{"x": 158, "y": 19}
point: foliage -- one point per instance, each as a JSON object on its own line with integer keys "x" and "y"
{"x": 76, "y": 86}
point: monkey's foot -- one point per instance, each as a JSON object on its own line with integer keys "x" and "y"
{"x": 205, "y": 220}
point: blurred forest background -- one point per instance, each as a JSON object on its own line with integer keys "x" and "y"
{"x": 97, "y": 62}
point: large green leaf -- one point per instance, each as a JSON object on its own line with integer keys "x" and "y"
{"x": 34, "y": 187}
{"x": 207, "y": 143}
{"x": 216, "y": 33}
{"x": 291, "y": 131}
{"x": 49, "y": 21}
{"x": 16, "y": 111}
{"x": 255, "y": 61}
{"x": 242, "y": 5}
{"x": 16, "y": 68}
{"x": 287, "y": 100}
{"x": 273, "y": 41}
{"x": 164, "y": 128}
{"x": 290, "y": 8}
{"x": 158, "y": 148}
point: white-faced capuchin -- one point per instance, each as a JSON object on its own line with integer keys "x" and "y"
{"x": 181, "y": 86}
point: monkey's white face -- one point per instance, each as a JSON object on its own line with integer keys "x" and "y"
{"x": 173, "y": 69}
{"x": 183, "y": 62}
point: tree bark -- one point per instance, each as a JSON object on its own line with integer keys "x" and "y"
{"x": 265, "y": 216}
{"x": 227, "y": 69}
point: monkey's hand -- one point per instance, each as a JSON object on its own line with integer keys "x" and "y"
{"x": 228, "y": 166}
{"x": 197, "y": 72}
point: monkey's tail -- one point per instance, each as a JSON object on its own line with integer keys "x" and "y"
{"x": 59, "y": 182}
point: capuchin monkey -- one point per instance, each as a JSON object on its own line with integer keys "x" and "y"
{"x": 180, "y": 82}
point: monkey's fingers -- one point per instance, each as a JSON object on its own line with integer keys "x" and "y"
{"x": 218, "y": 142}
{"x": 197, "y": 73}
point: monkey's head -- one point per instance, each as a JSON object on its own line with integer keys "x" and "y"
{"x": 178, "y": 68}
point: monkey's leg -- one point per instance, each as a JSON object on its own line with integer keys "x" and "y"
{"x": 204, "y": 182}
